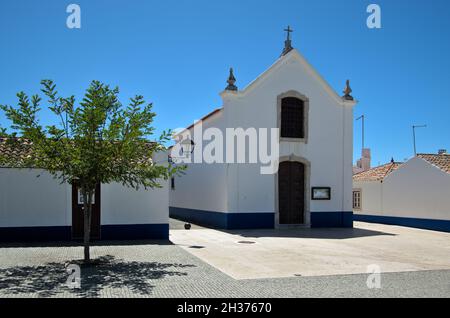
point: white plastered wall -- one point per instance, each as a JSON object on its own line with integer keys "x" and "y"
{"x": 328, "y": 147}
{"x": 202, "y": 186}
{"x": 27, "y": 200}
{"x": 417, "y": 189}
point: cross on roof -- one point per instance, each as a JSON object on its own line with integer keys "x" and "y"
{"x": 288, "y": 31}
{"x": 287, "y": 44}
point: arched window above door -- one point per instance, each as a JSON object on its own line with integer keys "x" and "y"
{"x": 293, "y": 116}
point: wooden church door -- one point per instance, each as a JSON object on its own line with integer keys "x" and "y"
{"x": 291, "y": 193}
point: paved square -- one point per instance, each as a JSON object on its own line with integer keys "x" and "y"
{"x": 162, "y": 269}
{"x": 254, "y": 254}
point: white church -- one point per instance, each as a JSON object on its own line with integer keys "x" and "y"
{"x": 309, "y": 183}
{"x": 312, "y": 186}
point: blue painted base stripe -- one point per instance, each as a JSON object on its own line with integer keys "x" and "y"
{"x": 135, "y": 232}
{"x": 200, "y": 217}
{"x": 241, "y": 221}
{"x": 35, "y": 234}
{"x": 228, "y": 221}
{"x": 427, "y": 224}
{"x": 331, "y": 219}
{"x": 64, "y": 233}
{"x": 234, "y": 221}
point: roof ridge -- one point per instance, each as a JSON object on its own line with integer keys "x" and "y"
{"x": 378, "y": 173}
{"x": 390, "y": 169}
{"x": 440, "y": 161}
{"x": 385, "y": 164}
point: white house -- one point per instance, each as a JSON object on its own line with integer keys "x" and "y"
{"x": 415, "y": 193}
{"x": 36, "y": 207}
{"x": 313, "y": 183}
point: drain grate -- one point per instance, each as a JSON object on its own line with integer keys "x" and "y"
{"x": 246, "y": 242}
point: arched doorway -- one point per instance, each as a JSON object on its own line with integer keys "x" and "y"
{"x": 291, "y": 193}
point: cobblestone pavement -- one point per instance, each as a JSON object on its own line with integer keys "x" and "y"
{"x": 160, "y": 269}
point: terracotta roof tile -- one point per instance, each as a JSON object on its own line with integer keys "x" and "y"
{"x": 377, "y": 173}
{"x": 440, "y": 161}
{"x": 14, "y": 149}
{"x": 17, "y": 150}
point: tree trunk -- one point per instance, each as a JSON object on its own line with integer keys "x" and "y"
{"x": 87, "y": 209}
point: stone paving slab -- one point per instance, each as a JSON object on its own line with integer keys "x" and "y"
{"x": 164, "y": 270}
{"x": 255, "y": 254}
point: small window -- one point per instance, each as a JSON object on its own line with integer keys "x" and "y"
{"x": 172, "y": 183}
{"x": 292, "y": 118}
{"x": 357, "y": 199}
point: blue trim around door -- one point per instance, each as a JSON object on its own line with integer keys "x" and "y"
{"x": 427, "y": 224}
{"x": 222, "y": 220}
{"x": 64, "y": 233}
{"x": 331, "y": 219}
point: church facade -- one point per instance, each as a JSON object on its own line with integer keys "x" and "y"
{"x": 312, "y": 183}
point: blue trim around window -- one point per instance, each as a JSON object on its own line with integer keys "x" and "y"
{"x": 64, "y": 233}
{"x": 427, "y": 224}
{"x": 331, "y": 219}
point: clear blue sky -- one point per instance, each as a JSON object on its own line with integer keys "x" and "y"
{"x": 177, "y": 53}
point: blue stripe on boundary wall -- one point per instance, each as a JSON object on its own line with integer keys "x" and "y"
{"x": 426, "y": 224}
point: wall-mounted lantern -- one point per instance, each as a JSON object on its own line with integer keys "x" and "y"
{"x": 187, "y": 146}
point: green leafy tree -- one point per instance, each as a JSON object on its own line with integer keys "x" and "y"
{"x": 97, "y": 142}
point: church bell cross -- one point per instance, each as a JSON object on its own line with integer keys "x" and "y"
{"x": 288, "y": 43}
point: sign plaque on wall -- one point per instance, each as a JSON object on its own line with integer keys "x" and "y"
{"x": 321, "y": 193}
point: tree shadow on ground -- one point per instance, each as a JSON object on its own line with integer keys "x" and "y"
{"x": 105, "y": 272}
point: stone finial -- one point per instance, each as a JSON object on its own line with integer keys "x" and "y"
{"x": 392, "y": 160}
{"x": 347, "y": 91}
{"x": 288, "y": 43}
{"x": 231, "y": 80}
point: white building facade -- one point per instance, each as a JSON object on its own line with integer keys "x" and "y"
{"x": 36, "y": 207}
{"x": 414, "y": 193}
{"x": 312, "y": 185}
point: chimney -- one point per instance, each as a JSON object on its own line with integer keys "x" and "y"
{"x": 365, "y": 159}
{"x": 363, "y": 164}
{"x": 442, "y": 151}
